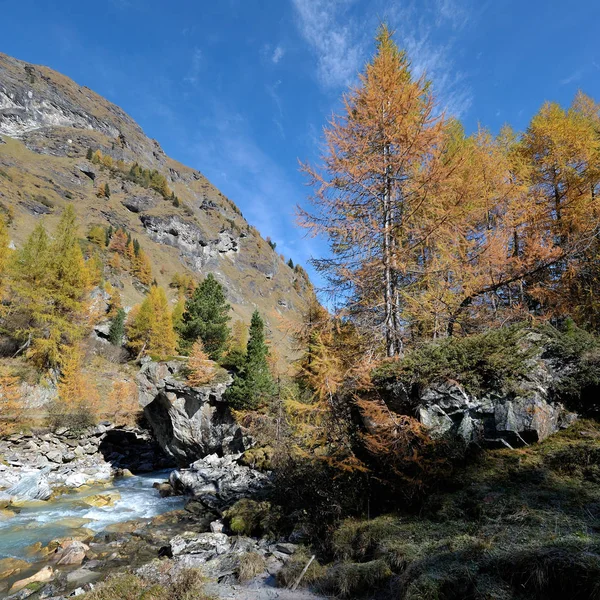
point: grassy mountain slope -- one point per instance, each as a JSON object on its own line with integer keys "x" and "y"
{"x": 47, "y": 125}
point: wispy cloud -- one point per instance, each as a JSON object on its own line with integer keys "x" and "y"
{"x": 333, "y": 37}
{"x": 426, "y": 29}
{"x": 193, "y": 73}
{"x": 278, "y": 118}
{"x": 572, "y": 78}
{"x": 277, "y": 54}
{"x": 254, "y": 180}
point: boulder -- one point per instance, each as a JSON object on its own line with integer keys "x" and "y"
{"x": 42, "y": 576}
{"x": 188, "y": 423}
{"x": 71, "y": 552}
{"x": 496, "y": 419}
{"x": 208, "y": 545}
{"x": 219, "y": 481}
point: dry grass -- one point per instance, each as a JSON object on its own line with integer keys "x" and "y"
{"x": 250, "y": 564}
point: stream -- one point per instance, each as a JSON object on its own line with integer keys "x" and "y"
{"x": 49, "y": 520}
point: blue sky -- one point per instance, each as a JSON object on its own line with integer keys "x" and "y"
{"x": 240, "y": 89}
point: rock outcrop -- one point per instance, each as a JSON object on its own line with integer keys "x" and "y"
{"x": 522, "y": 415}
{"x": 195, "y": 245}
{"x": 69, "y": 459}
{"x": 188, "y": 423}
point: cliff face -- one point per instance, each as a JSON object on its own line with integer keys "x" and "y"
{"x": 47, "y": 125}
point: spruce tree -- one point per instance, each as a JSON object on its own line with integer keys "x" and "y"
{"x": 90, "y": 154}
{"x": 117, "y": 328}
{"x": 206, "y": 317}
{"x": 290, "y": 263}
{"x": 253, "y": 384}
{"x": 106, "y": 190}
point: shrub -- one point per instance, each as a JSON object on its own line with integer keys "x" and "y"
{"x": 490, "y": 361}
{"x": 578, "y": 353}
{"x": 75, "y": 417}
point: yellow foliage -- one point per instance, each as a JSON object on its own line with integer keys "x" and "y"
{"x": 201, "y": 370}
{"x": 75, "y": 391}
{"x": 123, "y": 405}
{"x": 150, "y": 326}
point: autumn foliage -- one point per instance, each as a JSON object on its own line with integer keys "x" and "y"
{"x": 201, "y": 370}
{"x": 435, "y": 233}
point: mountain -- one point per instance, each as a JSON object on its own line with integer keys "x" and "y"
{"x": 49, "y": 125}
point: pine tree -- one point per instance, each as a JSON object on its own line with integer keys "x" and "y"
{"x": 290, "y": 263}
{"x": 117, "y": 328}
{"x": 109, "y": 234}
{"x": 201, "y": 370}
{"x": 89, "y": 154}
{"x": 150, "y": 326}
{"x": 106, "y": 190}
{"x": 253, "y": 385}
{"x": 206, "y": 317}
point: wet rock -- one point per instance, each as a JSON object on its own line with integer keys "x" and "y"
{"x": 12, "y": 566}
{"x": 42, "y": 576}
{"x": 102, "y": 500}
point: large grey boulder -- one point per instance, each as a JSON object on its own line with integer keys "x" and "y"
{"x": 497, "y": 419}
{"x": 219, "y": 481}
{"x": 187, "y": 422}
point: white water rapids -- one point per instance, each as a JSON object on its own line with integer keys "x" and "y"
{"x": 46, "y": 521}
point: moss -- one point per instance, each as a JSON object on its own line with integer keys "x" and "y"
{"x": 259, "y": 458}
{"x": 249, "y": 517}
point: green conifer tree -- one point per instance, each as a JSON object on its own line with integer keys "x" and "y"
{"x": 117, "y": 328}
{"x": 206, "y": 317}
{"x": 106, "y": 190}
{"x": 90, "y": 154}
{"x": 253, "y": 385}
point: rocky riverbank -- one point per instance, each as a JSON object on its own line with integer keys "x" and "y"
{"x": 67, "y": 460}
{"x": 203, "y": 535}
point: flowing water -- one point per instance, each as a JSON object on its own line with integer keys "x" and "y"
{"x": 46, "y": 521}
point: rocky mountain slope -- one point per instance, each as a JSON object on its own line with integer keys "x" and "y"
{"x": 48, "y": 123}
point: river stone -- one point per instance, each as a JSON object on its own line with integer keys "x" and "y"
{"x": 208, "y": 545}
{"x": 102, "y": 500}
{"x": 71, "y": 552}
{"x": 42, "y": 576}
{"x": 12, "y": 566}
{"x": 76, "y": 480}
